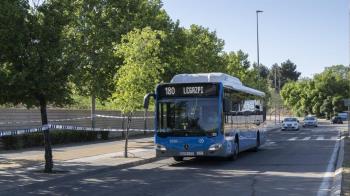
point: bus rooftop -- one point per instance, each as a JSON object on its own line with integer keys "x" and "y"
{"x": 227, "y": 80}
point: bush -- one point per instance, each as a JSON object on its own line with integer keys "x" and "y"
{"x": 104, "y": 135}
{"x": 57, "y": 137}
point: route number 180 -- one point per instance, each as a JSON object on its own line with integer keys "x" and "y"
{"x": 170, "y": 90}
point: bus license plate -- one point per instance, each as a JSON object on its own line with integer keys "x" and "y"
{"x": 187, "y": 153}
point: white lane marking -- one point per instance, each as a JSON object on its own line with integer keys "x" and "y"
{"x": 320, "y": 138}
{"x": 293, "y": 138}
{"x": 334, "y": 138}
{"x": 306, "y": 138}
{"x": 328, "y": 176}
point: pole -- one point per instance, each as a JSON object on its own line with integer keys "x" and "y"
{"x": 257, "y": 43}
{"x": 145, "y": 122}
{"x": 257, "y": 36}
{"x": 279, "y": 104}
{"x": 93, "y": 109}
{"x": 275, "y": 97}
{"x": 127, "y": 136}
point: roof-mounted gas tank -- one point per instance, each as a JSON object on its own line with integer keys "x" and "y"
{"x": 227, "y": 80}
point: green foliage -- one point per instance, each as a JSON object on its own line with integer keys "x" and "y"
{"x": 202, "y": 51}
{"x": 285, "y": 73}
{"x": 97, "y": 27}
{"x": 142, "y": 68}
{"x": 31, "y": 64}
{"x": 322, "y": 95}
{"x": 192, "y": 50}
{"x": 238, "y": 65}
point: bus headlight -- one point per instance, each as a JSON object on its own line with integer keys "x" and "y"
{"x": 214, "y": 147}
{"x": 160, "y": 147}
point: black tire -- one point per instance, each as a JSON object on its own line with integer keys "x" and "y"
{"x": 257, "y": 144}
{"x": 235, "y": 154}
{"x": 178, "y": 159}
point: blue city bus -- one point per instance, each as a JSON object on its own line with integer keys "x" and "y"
{"x": 209, "y": 114}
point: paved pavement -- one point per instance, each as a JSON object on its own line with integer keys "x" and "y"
{"x": 291, "y": 163}
{"x": 20, "y": 168}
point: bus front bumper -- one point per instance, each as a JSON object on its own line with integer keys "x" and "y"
{"x": 175, "y": 153}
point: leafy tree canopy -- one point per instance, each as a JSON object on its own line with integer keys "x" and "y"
{"x": 142, "y": 67}
{"x": 322, "y": 95}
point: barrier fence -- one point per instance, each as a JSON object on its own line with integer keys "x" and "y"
{"x": 61, "y": 124}
{"x": 15, "y": 119}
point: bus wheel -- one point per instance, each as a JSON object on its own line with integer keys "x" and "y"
{"x": 257, "y": 145}
{"x": 236, "y": 150}
{"x": 234, "y": 156}
{"x": 178, "y": 158}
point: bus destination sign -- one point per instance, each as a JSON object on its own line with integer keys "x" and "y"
{"x": 188, "y": 90}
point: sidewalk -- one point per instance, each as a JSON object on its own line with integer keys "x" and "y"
{"x": 25, "y": 167}
{"x": 345, "y": 184}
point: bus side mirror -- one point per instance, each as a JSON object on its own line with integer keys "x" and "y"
{"x": 257, "y": 107}
{"x": 146, "y": 100}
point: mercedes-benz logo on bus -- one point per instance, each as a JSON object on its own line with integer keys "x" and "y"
{"x": 201, "y": 140}
{"x": 186, "y": 146}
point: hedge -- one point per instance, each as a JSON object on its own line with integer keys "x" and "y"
{"x": 57, "y": 137}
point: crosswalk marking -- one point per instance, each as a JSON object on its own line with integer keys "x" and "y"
{"x": 334, "y": 138}
{"x": 293, "y": 138}
{"x": 319, "y": 138}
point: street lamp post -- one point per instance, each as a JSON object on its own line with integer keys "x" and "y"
{"x": 257, "y": 42}
{"x": 257, "y": 34}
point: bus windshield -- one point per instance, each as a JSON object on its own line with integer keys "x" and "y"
{"x": 188, "y": 117}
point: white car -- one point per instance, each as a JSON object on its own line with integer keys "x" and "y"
{"x": 290, "y": 123}
{"x": 310, "y": 121}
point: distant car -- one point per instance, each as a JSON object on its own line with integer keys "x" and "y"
{"x": 290, "y": 123}
{"x": 337, "y": 120}
{"x": 310, "y": 121}
{"x": 343, "y": 115}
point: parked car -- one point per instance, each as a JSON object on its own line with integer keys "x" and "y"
{"x": 310, "y": 121}
{"x": 290, "y": 123}
{"x": 337, "y": 120}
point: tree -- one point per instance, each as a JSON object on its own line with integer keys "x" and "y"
{"x": 93, "y": 34}
{"x": 321, "y": 95}
{"x": 275, "y": 76}
{"x": 31, "y": 65}
{"x": 288, "y": 72}
{"x": 262, "y": 70}
{"x": 237, "y": 64}
{"x": 202, "y": 51}
{"x": 141, "y": 71}
{"x": 284, "y": 73}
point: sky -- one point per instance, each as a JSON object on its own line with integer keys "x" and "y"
{"x": 313, "y": 34}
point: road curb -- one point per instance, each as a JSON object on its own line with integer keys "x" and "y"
{"x": 337, "y": 179}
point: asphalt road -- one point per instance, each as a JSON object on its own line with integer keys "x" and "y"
{"x": 290, "y": 163}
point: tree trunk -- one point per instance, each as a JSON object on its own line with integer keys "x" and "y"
{"x": 47, "y": 141}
